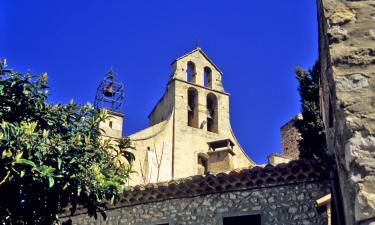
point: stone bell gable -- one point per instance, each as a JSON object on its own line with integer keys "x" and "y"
{"x": 192, "y": 114}
{"x": 203, "y": 72}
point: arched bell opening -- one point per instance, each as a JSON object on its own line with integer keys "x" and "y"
{"x": 191, "y": 72}
{"x": 207, "y": 77}
{"x": 192, "y": 107}
{"x": 212, "y": 113}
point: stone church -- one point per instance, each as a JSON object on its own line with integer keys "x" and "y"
{"x": 189, "y": 129}
{"x": 193, "y": 171}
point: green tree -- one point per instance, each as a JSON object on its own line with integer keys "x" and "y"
{"x": 312, "y": 145}
{"x": 52, "y": 157}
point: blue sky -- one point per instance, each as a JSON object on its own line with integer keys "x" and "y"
{"x": 255, "y": 43}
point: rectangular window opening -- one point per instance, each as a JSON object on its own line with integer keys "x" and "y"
{"x": 242, "y": 220}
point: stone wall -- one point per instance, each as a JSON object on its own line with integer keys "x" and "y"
{"x": 219, "y": 161}
{"x": 289, "y": 138}
{"x": 191, "y": 141}
{"x": 347, "y": 56}
{"x": 280, "y": 194}
{"x": 112, "y": 126}
{"x": 289, "y": 204}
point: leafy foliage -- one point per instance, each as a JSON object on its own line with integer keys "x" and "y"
{"x": 52, "y": 156}
{"x": 312, "y": 145}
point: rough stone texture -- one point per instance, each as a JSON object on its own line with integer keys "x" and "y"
{"x": 284, "y": 194}
{"x": 292, "y": 204}
{"x": 289, "y": 138}
{"x": 169, "y": 134}
{"x": 347, "y": 55}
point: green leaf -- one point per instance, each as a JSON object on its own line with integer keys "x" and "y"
{"x": 26, "y": 162}
{"x": 38, "y": 155}
{"x": 59, "y": 161}
{"x": 51, "y": 181}
{"x": 26, "y": 92}
{"x": 4, "y": 154}
{"x": 79, "y": 190}
{"x": 66, "y": 185}
{"x": 50, "y": 136}
{"x": 18, "y": 156}
{"x": 45, "y": 133}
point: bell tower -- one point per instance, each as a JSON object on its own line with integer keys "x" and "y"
{"x": 193, "y": 115}
{"x": 198, "y": 83}
{"x": 189, "y": 129}
{"x": 110, "y": 96}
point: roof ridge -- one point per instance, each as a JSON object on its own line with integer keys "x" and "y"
{"x": 203, "y": 53}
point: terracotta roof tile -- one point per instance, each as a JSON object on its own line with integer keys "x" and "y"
{"x": 256, "y": 177}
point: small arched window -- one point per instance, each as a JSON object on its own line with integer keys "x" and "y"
{"x": 212, "y": 113}
{"x": 207, "y": 77}
{"x": 192, "y": 107}
{"x": 191, "y": 72}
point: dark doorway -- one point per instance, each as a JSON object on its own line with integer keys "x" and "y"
{"x": 242, "y": 220}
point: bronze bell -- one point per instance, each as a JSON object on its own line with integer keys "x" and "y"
{"x": 210, "y": 113}
{"x": 109, "y": 91}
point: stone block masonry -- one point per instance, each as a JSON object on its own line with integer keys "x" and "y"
{"x": 291, "y": 204}
{"x": 282, "y": 194}
{"x": 290, "y": 137}
{"x": 347, "y": 56}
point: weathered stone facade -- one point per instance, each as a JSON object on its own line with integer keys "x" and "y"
{"x": 289, "y": 138}
{"x": 284, "y": 194}
{"x": 287, "y": 205}
{"x": 347, "y": 56}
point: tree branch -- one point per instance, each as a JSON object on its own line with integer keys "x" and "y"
{"x": 6, "y": 177}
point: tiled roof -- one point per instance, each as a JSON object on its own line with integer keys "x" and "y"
{"x": 297, "y": 171}
{"x": 256, "y": 177}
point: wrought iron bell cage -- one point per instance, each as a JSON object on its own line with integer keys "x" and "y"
{"x": 110, "y": 93}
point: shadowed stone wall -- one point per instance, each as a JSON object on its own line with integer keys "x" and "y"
{"x": 288, "y": 204}
{"x": 347, "y": 56}
{"x": 289, "y": 138}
